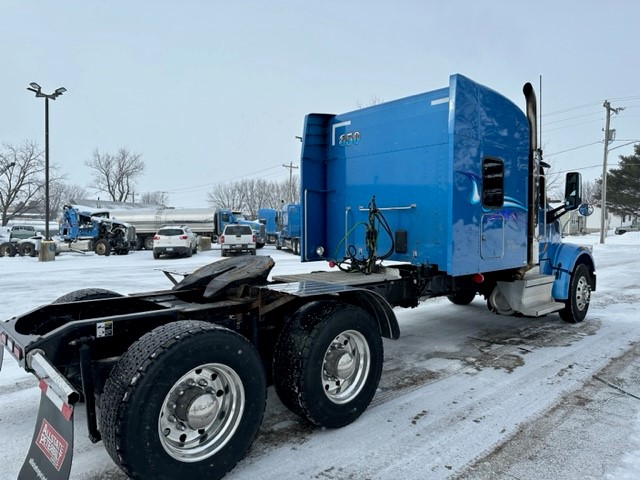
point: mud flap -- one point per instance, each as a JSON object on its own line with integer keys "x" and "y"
{"x": 51, "y": 450}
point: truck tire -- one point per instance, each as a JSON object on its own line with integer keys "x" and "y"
{"x": 184, "y": 401}
{"x": 156, "y": 254}
{"x": 72, "y": 372}
{"x": 462, "y": 298}
{"x": 102, "y": 247}
{"x": 327, "y": 363}
{"x": 148, "y": 242}
{"x": 27, "y": 249}
{"x": 8, "y": 249}
{"x": 87, "y": 294}
{"x": 577, "y": 304}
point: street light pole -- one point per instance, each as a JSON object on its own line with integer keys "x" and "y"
{"x": 34, "y": 87}
{"x": 46, "y": 169}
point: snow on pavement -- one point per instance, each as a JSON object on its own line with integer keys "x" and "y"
{"x": 456, "y": 386}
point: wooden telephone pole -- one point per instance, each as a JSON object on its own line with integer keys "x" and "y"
{"x": 291, "y": 167}
{"x": 607, "y": 138}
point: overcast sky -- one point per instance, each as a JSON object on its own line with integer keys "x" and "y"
{"x": 210, "y": 91}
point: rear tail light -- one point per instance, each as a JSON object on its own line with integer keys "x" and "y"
{"x": 254, "y": 239}
{"x": 183, "y": 237}
{"x": 11, "y": 345}
{"x": 221, "y": 238}
{"x": 17, "y": 351}
{"x": 156, "y": 237}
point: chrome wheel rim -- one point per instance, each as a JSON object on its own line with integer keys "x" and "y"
{"x": 201, "y": 412}
{"x": 346, "y": 366}
{"x": 583, "y": 293}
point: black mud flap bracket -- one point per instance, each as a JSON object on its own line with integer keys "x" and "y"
{"x": 51, "y": 450}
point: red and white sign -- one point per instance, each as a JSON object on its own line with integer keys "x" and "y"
{"x": 52, "y": 444}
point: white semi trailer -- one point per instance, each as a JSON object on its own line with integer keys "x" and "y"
{"x": 204, "y": 221}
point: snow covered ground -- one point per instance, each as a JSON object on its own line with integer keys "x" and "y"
{"x": 464, "y": 393}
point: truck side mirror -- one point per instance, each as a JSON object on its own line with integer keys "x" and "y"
{"x": 573, "y": 191}
{"x": 585, "y": 209}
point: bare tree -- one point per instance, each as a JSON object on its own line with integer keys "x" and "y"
{"x": 249, "y": 195}
{"x": 155, "y": 198}
{"x": 61, "y": 193}
{"x": 373, "y": 100}
{"x": 256, "y": 193}
{"x": 116, "y": 175}
{"x": 292, "y": 190}
{"x": 21, "y": 186}
{"x": 554, "y": 185}
{"x": 591, "y": 192}
{"x": 226, "y": 195}
{"x": 282, "y": 192}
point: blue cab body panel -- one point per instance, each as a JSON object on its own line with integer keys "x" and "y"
{"x": 269, "y": 217}
{"x": 290, "y": 228}
{"x": 290, "y": 215}
{"x": 424, "y": 158}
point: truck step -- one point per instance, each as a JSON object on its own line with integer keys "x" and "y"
{"x": 539, "y": 310}
{"x": 531, "y": 296}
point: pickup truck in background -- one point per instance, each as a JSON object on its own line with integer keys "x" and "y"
{"x": 237, "y": 239}
{"x": 21, "y": 232}
{"x": 634, "y": 227}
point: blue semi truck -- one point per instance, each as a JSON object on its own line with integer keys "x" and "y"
{"x": 289, "y": 233}
{"x": 448, "y": 186}
{"x": 270, "y": 218}
{"x": 454, "y": 182}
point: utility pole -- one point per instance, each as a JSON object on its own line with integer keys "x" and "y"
{"x": 291, "y": 167}
{"x": 607, "y": 138}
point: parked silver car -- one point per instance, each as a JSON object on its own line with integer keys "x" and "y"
{"x": 634, "y": 227}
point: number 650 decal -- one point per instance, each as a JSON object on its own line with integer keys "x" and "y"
{"x": 351, "y": 138}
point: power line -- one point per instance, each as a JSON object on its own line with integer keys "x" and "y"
{"x": 571, "y": 149}
{"x": 590, "y": 104}
{"x": 206, "y": 186}
{"x": 572, "y": 125}
{"x": 575, "y": 116}
{"x": 571, "y": 109}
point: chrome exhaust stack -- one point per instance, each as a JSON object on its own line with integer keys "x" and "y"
{"x": 533, "y": 178}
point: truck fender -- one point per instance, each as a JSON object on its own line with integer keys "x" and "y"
{"x": 378, "y": 308}
{"x": 373, "y": 303}
{"x": 565, "y": 260}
